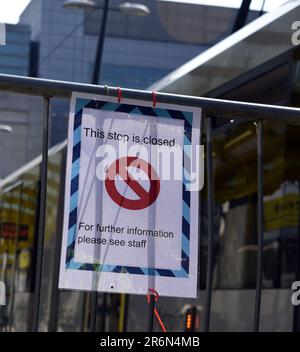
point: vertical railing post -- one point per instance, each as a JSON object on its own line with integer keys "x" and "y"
{"x": 210, "y": 216}
{"x": 296, "y": 313}
{"x": 54, "y": 299}
{"x": 84, "y": 315}
{"x": 260, "y": 226}
{"x": 42, "y": 218}
{"x": 94, "y": 310}
{"x": 151, "y": 306}
{"x": 122, "y": 325}
{"x": 95, "y": 80}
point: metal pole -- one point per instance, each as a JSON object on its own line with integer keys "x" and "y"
{"x": 123, "y": 313}
{"x": 296, "y": 314}
{"x": 94, "y": 308}
{"x": 34, "y": 256}
{"x": 2, "y": 277}
{"x": 100, "y": 44}
{"x": 95, "y": 80}
{"x": 260, "y": 226}
{"x": 42, "y": 218}
{"x": 223, "y": 109}
{"x": 262, "y": 8}
{"x": 104, "y": 308}
{"x": 242, "y": 15}
{"x": 151, "y": 313}
{"x": 210, "y": 229}
{"x": 54, "y": 299}
{"x": 84, "y": 311}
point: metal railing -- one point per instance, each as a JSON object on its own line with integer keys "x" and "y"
{"x": 211, "y": 108}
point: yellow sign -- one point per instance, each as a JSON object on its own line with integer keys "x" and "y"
{"x": 281, "y": 212}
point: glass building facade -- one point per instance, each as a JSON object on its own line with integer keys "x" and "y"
{"x": 21, "y": 113}
{"x": 15, "y": 55}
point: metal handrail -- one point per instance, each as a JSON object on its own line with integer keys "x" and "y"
{"x": 214, "y": 107}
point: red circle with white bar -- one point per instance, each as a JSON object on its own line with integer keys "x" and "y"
{"x": 145, "y": 198}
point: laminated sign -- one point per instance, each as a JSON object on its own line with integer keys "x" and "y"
{"x": 131, "y": 198}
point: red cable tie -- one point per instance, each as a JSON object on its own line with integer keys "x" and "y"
{"x": 156, "y": 297}
{"x": 154, "y": 99}
{"x": 119, "y": 94}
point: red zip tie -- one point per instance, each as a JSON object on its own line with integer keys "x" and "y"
{"x": 154, "y": 98}
{"x": 119, "y": 94}
{"x": 156, "y": 297}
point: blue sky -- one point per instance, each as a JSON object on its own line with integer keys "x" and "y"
{"x": 11, "y": 10}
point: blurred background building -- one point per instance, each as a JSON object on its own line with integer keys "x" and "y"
{"x": 15, "y": 56}
{"x": 21, "y": 113}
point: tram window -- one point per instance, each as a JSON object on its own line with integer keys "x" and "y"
{"x": 235, "y": 187}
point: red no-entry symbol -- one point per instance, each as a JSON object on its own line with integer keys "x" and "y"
{"x": 145, "y": 198}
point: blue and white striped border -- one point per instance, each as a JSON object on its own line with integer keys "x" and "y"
{"x": 187, "y": 117}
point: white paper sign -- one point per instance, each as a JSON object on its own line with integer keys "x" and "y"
{"x": 131, "y": 199}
